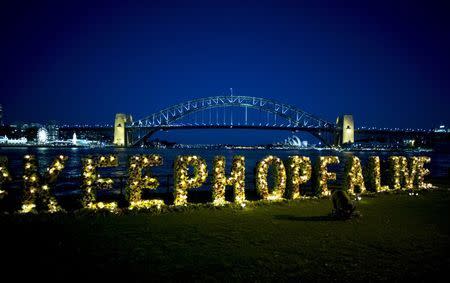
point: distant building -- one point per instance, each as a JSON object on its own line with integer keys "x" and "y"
{"x": 295, "y": 142}
{"x": 6, "y": 140}
{"x": 53, "y": 131}
{"x": 441, "y": 129}
{"x": 26, "y": 126}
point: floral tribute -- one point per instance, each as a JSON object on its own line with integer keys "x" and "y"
{"x": 220, "y": 181}
{"x": 421, "y": 171}
{"x": 38, "y": 190}
{"x": 400, "y": 173}
{"x": 138, "y": 182}
{"x": 373, "y": 175}
{"x": 4, "y": 174}
{"x": 262, "y": 186}
{"x": 92, "y": 181}
{"x": 323, "y": 176}
{"x": 299, "y": 172}
{"x": 190, "y": 172}
{"x": 353, "y": 176}
{"x": 183, "y": 181}
{"x": 404, "y": 175}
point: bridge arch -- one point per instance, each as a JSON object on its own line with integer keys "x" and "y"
{"x": 169, "y": 116}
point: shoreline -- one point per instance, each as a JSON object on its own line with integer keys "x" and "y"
{"x": 223, "y": 148}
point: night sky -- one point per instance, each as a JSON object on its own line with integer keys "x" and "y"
{"x": 386, "y": 62}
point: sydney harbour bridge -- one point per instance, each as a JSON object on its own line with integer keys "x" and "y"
{"x": 247, "y": 113}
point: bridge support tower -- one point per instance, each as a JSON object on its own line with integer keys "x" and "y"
{"x": 346, "y": 132}
{"x": 121, "y": 136}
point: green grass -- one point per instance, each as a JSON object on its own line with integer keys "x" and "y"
{"x": 398, "y": 237}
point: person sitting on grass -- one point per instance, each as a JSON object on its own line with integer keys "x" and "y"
{"x": 342, "y": 205}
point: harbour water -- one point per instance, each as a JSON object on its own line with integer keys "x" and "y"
{"x": 439, "y": 167}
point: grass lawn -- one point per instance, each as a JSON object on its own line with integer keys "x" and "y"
{"x": 399, "y": 237}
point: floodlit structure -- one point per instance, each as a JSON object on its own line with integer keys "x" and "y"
{"x": 6, "y": 140}
{"x": 295, "y": 141}
{"x": 74, "y": 139}
{"x": 42, "y": 136}
{"x": 120, "y": 133}
{"x": 441, "y": 129}
{"x": 346, "y": 125}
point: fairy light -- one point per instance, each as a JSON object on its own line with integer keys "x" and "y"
{"x": 404, "y": 175}
{"x": 220, "y": 181}
{"x": 92, "y": 181}
{"x": 323, "y": 176}
{"x": 37, "y": 189}
{"x": 5, "y": 176}
{"x": 422, "y": 172}
{"x": 353, "y": 176}
{"x": 184, "y": 182}
{"x": 373, "y": 175}
{"x": 408, "y": 175}
{"x": 262, "y": 186}
{"x": 109, "y": 206}
{"x": 299, "y": 172}
{"x": 395, "y": 172}
{"x": 137, "y": 182}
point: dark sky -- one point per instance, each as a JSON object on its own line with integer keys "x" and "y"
{"x": 386, "y": 62}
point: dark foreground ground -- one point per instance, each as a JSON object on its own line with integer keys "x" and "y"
{"x": 398, "y": 238}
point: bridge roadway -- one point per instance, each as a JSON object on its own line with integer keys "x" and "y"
{"x": 237, "y": 126}
{"x": 361, "y": 134}
{"x": 258, "y": 127}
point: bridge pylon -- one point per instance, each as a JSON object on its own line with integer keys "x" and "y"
{"x": 121, "y": 135}
{"x": 346, "y": 132}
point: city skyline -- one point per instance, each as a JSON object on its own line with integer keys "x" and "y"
{"x": 74, "y": 62}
